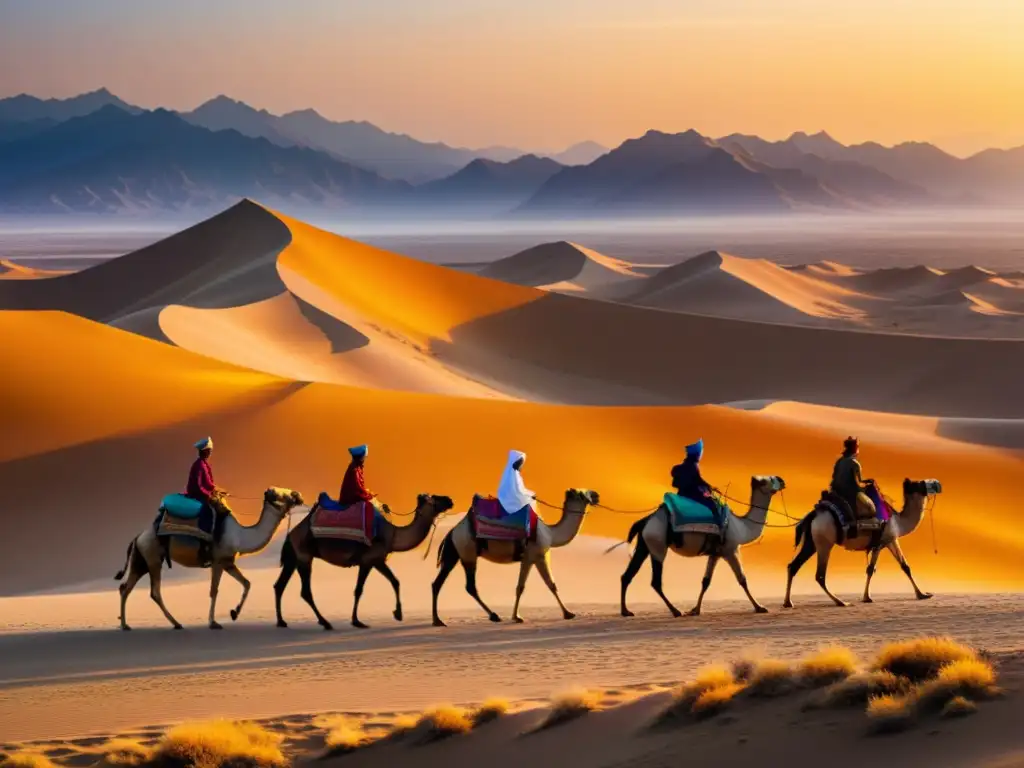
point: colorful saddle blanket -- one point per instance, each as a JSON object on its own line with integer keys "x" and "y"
{"x": 883, "y": 510}
{"x": 181, "y": 506}
{"x": 689, "y": 516}
{"x": 491, "y": 521}
{"x": 356, "y": 522}
{"x": 171, "y": 525}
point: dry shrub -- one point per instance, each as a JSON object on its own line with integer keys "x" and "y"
{"x": 125, "y": 752}
{"x": 770, "y": 678}
{"x": 404, "y": 724}
{"x": 220, "y": 744}
{"x": 958, "y": 706}
{"x": 891, "y": 713}
{"x": 827, "y": 666}
{"x": 570, "y": 706}
{"x": 714, "y": 700}
{"x": 444, "y": 721}
{"x": 490, "y": 710}
{"x": 967, "y": 677}
{"x": 856, "y": 690}
{"x": 743, "y": 669}
{"x": 922, "y": 658}
{"x": 26, "y": 760}
{"x": 344, "y": 735}
{"x": 707, "y": 679}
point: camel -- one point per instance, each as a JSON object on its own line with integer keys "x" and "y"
{"x": 146, "y": 554}
{"x": 301, "y": 548}
{"x": 820, "y": 533}
{"x": 459, "y": 545}
{"x": 740, "y": 531}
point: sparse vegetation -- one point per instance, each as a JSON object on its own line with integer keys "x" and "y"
{"x": 858, "y": 689}
{"x": 490, "y": 710}
{"x": 218, "y": 744}
{"x": 714, "y": 700}
{"x": 26, "y": 760}
{"x": 344, "y": 735}
{"x": 965, "y": 678}
{"x": 707, "y": 679}
{"x": 891, "y": 713}
{"x": 958, "y": 706}
{"x": 770, "y": 678}
{"x": 571, "y": 705}
{"x": 826, "y": 667}
{"x": 125, "y": 752}
{"x": 444, "y": 721}
{"x": 922, "y": 658}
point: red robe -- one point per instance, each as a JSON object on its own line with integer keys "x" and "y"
{"x": 200, "y": 481}
{"x": 353, "y": 487}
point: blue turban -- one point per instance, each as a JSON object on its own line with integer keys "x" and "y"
{"x": 358, "y": 451}
{"x": 696, "y": 450}
{"x": 206, "y": 442}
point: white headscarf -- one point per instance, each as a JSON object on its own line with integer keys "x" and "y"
{"x": 512, "y": 493}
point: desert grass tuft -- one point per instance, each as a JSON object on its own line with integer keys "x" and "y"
{"x": 491, "y": 709}
{"x": 344, "y": 735}
{"x": 125, "y": 752}
{"x": 707, "y": 679}
{"x": 715, "y": 700}
{"x": 443, "y": 721}
{"x": 958, "y": 706}
{"x": 220, "y": 744}
{"x": 26, "y": 760}
{"x": 570, "y": 706}
{"x": 826, "y": 667}
{"x": 890, "y": 713}
{"x": 770, "y": 678}
{"x": 921, "y": 658}
{"x": 857, "y": 690}
{"x": 965, "y": 678}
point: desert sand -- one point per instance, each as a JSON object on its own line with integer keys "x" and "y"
{"x": 288, "y": 344}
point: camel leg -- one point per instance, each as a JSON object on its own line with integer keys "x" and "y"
{"x": 708, "y": 573}
{"x": 364, "y": 571}
{"x": 544, "y": 569}
{"x": 524, "y": 571}
{"x": 657, "y": 570}
{"x": 135, "y": 569}
{"x": 448, "y": 557}
{"x": 733, "y": 559}
{"x": 897, "y": 552}
{"x": 216, "y": 571}
{"x": 806, "y": 553}
{"x": 871, "y": 572}
{"x": 157, "y": 597}
{"x": 306, "y": 576}
{"x": 640, "y": 554}
{"x": 288, "y": 565}
{"x": 237, "y": 575}
{"x": 388, "y": 574}
{"x": 470, "y": 569}
{"x": 823, "y": 556}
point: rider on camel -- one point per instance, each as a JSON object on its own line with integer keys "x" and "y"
{"x": 687, "y": 480}
{"x": 513, "y": 495}
{"x": 353, "y": 486}
{"x": 847, "y": 482}
{"x": 200, "y": 486}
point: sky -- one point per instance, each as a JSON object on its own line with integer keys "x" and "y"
{"x": 543, "y": 74}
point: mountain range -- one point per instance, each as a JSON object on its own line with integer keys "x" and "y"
{"x": 97, "y": 153}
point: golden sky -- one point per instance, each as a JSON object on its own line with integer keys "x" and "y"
{"x": 541, "y": 74}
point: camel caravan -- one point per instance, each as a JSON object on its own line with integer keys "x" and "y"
{"x": 197, "y": 529}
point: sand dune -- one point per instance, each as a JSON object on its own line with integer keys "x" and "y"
{"x": 10, "y": 270}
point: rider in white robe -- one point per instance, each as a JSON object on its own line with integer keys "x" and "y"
{"x": 513, "y": 495}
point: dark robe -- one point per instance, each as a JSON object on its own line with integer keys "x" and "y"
{"x": 353, "y": 486}
{"x": 687, "y": 481}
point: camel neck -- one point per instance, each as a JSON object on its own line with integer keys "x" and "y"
{"x": 567, "y": 528}
{"x": 749, "y": 527}
{"x": 253, "y": 538}
{"x": 911, "y": 515}
{"x": 408, "y": 537}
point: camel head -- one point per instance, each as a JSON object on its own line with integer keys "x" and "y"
{"x": 578, "y": 499}
{"x": 923, "y": 488}
{"x": 432, "y": 506}
{"x": 282, "y": 499}
{"x": 770, "y": 484}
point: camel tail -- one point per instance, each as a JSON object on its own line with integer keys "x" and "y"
{"x": 127, "y": 561}
{"x": 802, "y": 528}
{"x": 446, "y": 542}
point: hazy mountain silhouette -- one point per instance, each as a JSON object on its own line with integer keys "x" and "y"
{"x": 111, "y": 160}
{"x": 223, "y": 113}
{"x": 9, "y": 131}
{"x": 25, "y": 108}
{"x": 490, "y": 184}
{"x": 580, "y": 154}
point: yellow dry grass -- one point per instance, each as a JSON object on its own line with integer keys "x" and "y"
{"x": 714, "y": 700}
{"x": 967, "y": 677}
{"x": 921, "y": 658}
{"x": 571, "y": 705}
{"x": 827, "y": 666}
{"x": 491, "y": 709}
{"x": 771, "y": 677}
{"x": 856, "y": 690}
{"x": 26, "y": 760}
{"x": 343, "y": 734}
{"x": 220, "y": 743}
{"x": 125, "y": 752}
{"x": 891, "y": 713}
{"x": 707, "y": 679}
{"x": 446, "y": 720}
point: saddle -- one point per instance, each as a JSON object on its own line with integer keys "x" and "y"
{"x": 355, "y": 522}
{"x": 180, "y": 515}
{"x": 489, "y": 521}
{"x": 688, "y": 516}
{"x": 848, "y": 523}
